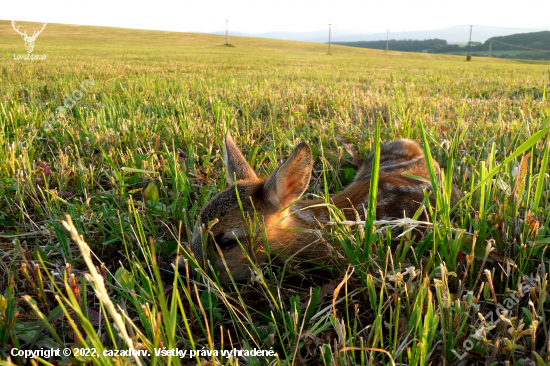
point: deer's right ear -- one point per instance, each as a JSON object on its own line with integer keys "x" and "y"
{"x": 287, "y": 184}
{"x": 235, "y": 163}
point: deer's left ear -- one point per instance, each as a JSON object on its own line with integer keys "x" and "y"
{"x": 287, "y": 184}
{"x": 235, "y": 163}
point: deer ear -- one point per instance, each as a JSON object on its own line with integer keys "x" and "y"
{"x": 287, "y": 184}
{"x": 235, "y": 163}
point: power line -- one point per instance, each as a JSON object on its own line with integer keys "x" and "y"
{"x": 469, "y": 43}
{"x": 329, "y": 31}
{"x": 227, "y": 32}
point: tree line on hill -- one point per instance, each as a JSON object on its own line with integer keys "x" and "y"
{"x": 408, "y": 45}
{"x": 537, "y": 40}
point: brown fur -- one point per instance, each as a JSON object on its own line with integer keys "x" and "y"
{"x": 276, "y": 203}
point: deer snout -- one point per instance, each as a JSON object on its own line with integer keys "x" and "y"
{"x": 168, "y": 273}
{"x": 181, "y": 265}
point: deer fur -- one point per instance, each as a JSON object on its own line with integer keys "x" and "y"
{"x": 276, "y": 201}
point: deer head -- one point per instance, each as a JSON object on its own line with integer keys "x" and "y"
{"x": 29, "y": 41}
{"x": 270, "y": 198}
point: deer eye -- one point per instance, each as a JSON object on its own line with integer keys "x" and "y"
{"x": 225, "y": 244}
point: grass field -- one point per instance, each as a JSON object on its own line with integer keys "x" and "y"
{"x": 139, "y": 152}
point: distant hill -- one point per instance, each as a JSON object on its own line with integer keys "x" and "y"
{"x": 536, "y": 40}
{"x": 522, "y": 45}
{"x": 318, "y": 36}
{"x": 395, "y": 45}
{"x": 456, "y": 34}
{"x": 58, "y": 40}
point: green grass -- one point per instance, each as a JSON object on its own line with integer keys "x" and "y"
{"x": 141, "y": 152}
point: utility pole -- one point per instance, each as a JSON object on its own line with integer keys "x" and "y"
{"x": 387, "y": 40}
{"x": 227, "y": 32}
{"x": 329, "y": 31}
{"x": 469, "y": 43}
{"x": 490, "y": 48}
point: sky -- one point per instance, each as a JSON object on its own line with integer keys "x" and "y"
{"x": 253, "y": 16}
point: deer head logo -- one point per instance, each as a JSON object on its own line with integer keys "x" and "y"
{"x": 29, "y": 41}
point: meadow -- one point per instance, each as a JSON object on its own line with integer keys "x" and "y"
{"x": 139, "y": 151}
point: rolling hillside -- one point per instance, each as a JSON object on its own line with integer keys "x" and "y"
{"x": 58, "y": 40}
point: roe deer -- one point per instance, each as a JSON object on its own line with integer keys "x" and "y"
{"x": 275, "y": 200}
